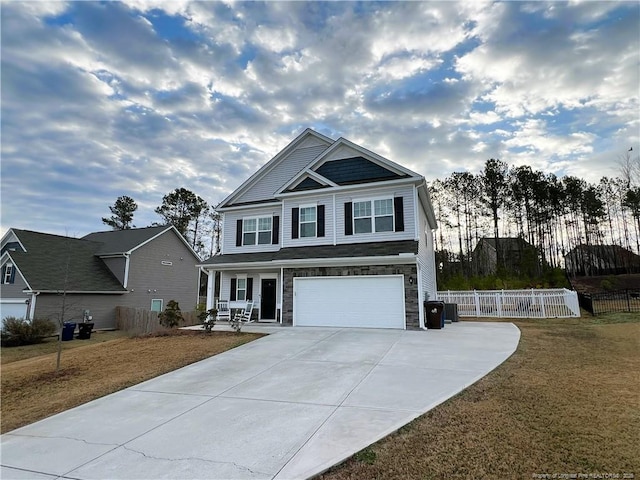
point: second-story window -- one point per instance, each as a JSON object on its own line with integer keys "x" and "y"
{"x": 373, "y": 216}
{"x": 308, "y": 221}
{"x": 256, "y": 231}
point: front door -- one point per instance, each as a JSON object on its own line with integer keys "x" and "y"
{"x": 268, "y": 299}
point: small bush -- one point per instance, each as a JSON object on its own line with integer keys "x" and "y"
{"x": 18, "y": 331}
{"x": 172, "y": 315}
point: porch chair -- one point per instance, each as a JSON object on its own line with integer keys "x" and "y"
{"x": 224, "y": 312}
{"x": 245, "y": 315}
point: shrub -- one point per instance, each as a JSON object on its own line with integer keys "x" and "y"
{"x": 207, "y": 318}
{"x": 18, "y": 331}
{"x": 172, "y": 315}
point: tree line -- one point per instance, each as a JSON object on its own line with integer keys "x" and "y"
{"x": 196, "y": 220}
{"x": 553, "y": 214}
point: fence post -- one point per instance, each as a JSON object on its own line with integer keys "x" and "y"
{"x": 499, "y": 303}
{"x": 628, "y": 300}
{"x": 542, "y": 298}
{"x": 477, "y": 302}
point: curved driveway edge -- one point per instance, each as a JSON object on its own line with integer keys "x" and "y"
{"x": 286, "y": 406}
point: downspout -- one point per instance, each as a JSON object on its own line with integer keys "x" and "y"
{"x": 32, "y": 306}
{"x": 415, "y": 214}
{"x": 281, "y": 294}
{"x": 127, "y": 257}
{"x": 420, "y": 295}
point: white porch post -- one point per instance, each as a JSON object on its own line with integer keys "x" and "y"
{"x": 211, "y": 284}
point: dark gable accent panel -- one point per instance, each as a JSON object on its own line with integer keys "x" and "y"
{"x": 320, "y": 222}
{"x": 275, "y": 233}
{"x": 348, "y": 218}
{"x": 295, "y": 220}
{"x": 398, "y": 208}
{"x": 249, "y": 295}
{"x": 239, "y": 233}
{"x": 348, "y": 171}
{"x": 232, "y": 296}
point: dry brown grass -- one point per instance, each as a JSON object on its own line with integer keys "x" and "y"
{"x": 32, "y": 390}
{"x": 567, "y": 402}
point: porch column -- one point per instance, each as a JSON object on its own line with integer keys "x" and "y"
{"x": 211, "y": 284}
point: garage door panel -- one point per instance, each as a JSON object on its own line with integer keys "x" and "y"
{"x": 354, "y": 301}
{"x": 16, "y": 309}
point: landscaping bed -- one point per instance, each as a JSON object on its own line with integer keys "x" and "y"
{"x": 32, "y": 389}
{"x": 566, "y": 403}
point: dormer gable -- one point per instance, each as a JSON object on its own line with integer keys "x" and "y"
{"x": 345, "y": 163}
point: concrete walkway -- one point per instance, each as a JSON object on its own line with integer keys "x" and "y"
{"x": 289, "y": 405}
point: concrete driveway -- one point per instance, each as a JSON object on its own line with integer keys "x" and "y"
{"x": 289, "y": 405}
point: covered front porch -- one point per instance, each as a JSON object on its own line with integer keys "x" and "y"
{"x": 238, "y": 286}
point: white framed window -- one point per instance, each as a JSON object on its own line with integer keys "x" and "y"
{"x": 8, "y": 273}
{"x": 241, "y": 288}
{"x": 156, "y": 305}
{"x": 308, "y": 221}
{"x": 257, "y": 231}
{"x": 373, "y": 215}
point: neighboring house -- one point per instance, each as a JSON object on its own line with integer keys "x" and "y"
{"x": 601, "y": 260}
{"x": 143, "y": 267}
{"x": 328, "y": 233}
{"x": 518, "y": 256}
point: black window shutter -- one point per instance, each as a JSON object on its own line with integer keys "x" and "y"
{"x": 233, "y": 289}
{"x": 320, "y": 219}
{"x": 13, "y": 274}
{"x": 239, "y": 233}
{"x": 249, "y": 295}
{"x": 4, "y": 271}
{"x": 398, "y": 208}
{"x": 295, "y": 219}
{"x": 275, "y": 233}
{"x": 348, "y": 218}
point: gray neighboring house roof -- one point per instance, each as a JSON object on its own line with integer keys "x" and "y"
{"x": 56, "y": 263}
{"x": 124, "y": 241}
{"x": 373, "y": 249}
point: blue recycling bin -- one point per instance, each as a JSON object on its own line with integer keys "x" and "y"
{"x": 67, "y": 331}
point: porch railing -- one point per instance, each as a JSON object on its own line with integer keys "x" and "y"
{"x": 534, "y": 303}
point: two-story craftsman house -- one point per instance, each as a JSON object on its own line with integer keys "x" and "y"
{"x": 328, "y": 233}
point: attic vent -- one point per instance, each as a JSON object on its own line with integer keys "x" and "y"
{"x": 166, "y": 262}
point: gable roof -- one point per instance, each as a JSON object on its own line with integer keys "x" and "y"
{"x": 604, "y": 251}
{"x": 50, "y": 259}
{"x": 507, "y": 244}
{"x": 116, "y": 242}
{"x": 307, "y": 135}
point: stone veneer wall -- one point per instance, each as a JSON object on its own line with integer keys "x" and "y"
{"x": 412, "y": 320}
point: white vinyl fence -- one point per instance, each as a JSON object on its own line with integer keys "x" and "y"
{"x": 549, "y": 303}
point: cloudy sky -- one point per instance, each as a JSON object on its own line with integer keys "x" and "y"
{"x": 141, "y": 97}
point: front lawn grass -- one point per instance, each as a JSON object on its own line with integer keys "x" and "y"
{"x": 32, "y": 389}
{"x": 566, "y": 403}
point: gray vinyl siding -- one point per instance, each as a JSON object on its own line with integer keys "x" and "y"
{"x": 13, "y": 290}
{"x": 117, "y": 266}
{"x": 101, "y": 307}
{"x": 149, "y": 279}
{"x": 284, "y": 171}
{"x": 229, "y": 229}
{"x": 404, "y": 191}
{"x": 327, "y": 201}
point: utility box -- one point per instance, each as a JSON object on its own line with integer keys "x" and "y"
{"x": 451, "y": 312}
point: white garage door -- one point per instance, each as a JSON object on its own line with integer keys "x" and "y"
{"x": 358, "y": 301}
{"x": 13, "y": 308}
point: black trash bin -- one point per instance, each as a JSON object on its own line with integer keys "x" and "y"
{"x": 67, "y": 331}
{"x": 84, "y": 330}
{"x": 451, "y": 312}
{"x": 433, "y": 310}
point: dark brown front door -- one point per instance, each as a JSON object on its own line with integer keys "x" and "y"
{"x": 268, "y": 299}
